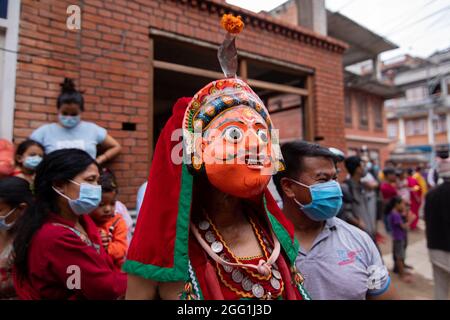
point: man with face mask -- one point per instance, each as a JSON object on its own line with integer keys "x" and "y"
{"x": 337, "y": 260}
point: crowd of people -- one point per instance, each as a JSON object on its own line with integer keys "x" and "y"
{"x": 393, "y": 196}
{"x": 397, "y": 198}
{"x": 58, "y": 205}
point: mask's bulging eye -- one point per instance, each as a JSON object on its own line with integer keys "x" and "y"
{"x": 233, "y": 134}
{"x": 262, "y": 134}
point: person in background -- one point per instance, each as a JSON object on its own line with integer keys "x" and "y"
{"x": 358, "y": 204}
{"x": 398, "y": 213}
{"x": 371, "y": 186}
{"x": 338, "y": 260}
{"x": 404, "y": 191}
{"x": 415, "y": 198}
{"x": 120, "y": 207}
{"x": 420, "y": 178}
{"x": 442, "y": 159}
{"x": 437, "y": 221}
{"x": 6, "y": 158}
{"x": 72, "y": 132}
{"x": 58, "y": 251}
{"x": 403, "y": 188}
{"x": 15, "y": 197}
{"x": 29, "y": 155}
{"x": 388, "y": 191}
{"x": 432, "y": 176}
{"x": 388, "y": 164}
{"x": 112, "y": 226}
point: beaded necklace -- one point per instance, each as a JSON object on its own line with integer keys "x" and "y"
{"x": 239, "y": 277}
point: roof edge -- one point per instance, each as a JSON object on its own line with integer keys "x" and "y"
{"x": 270, "y": 24}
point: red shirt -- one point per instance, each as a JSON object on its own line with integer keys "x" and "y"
{"x": 53, "y": 249}
{"x": 388, "y": 191}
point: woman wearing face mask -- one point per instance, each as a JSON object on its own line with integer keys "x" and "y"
{"x": 72, "y": 132}
{"x": 15, "y": 197}
{"x": 28, "y": 156}
{"x": 58, "y": 252}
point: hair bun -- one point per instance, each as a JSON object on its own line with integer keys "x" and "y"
{"x": 68, "y": 86}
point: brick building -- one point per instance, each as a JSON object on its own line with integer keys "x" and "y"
{"x": 365, "y": 117}
{"x": 365, "y": 92}
{"x": 134, "y": 58}
{"x": 419, "y": 121}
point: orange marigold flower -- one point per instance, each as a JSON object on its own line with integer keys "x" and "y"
{"x": 232, "y": 24}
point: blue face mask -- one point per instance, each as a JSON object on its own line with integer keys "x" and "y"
{"x": 6, "y": 226}
{"x": 69, "y": 121}
{"x": 32, "y": 162}
{"x": 326, "y": 200}
{"x": 88, "y": 200}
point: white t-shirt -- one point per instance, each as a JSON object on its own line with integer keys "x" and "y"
{"x": 85, "y": 136}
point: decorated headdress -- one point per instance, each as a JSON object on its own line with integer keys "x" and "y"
{"x": 221, "y": 95}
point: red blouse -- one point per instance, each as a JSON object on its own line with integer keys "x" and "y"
{"x": 56, "y": 251}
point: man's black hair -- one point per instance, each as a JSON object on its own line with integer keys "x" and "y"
{"x": 388, "y": 171}
{"x": 293, "y": 153}
{"x": 352, "y": 163}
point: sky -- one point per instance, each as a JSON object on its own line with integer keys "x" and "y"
{"x": 418, "y": 27}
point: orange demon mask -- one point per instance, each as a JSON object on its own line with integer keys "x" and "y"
{"x": 228, "y": 134}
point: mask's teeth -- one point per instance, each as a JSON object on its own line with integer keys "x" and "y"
{"x": 254, "y": 160}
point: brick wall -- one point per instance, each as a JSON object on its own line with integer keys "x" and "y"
{"x": 289, "y": 124}
{"x": 108, "y": 58}
{"x": 287, "y": 12}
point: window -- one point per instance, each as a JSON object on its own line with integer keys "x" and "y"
{"x": 435, "y": 90}
{"x": 378, "y": 115}
{"x": 348, "y": 109}
{"x": 392, "y": 130}
{"x": 416, "y": 94}
{"x": 3, "y": 9}
{"x": 416, "y": 127}
{"x": 363, "y": 112}
{"x": 440, "y": 123}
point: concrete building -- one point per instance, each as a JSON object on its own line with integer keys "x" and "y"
{"x": 365, "y": 93}
{"x": 134, "y": 58}
{"x": 9, "y": 34}
{"x": 419, "y": 122}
